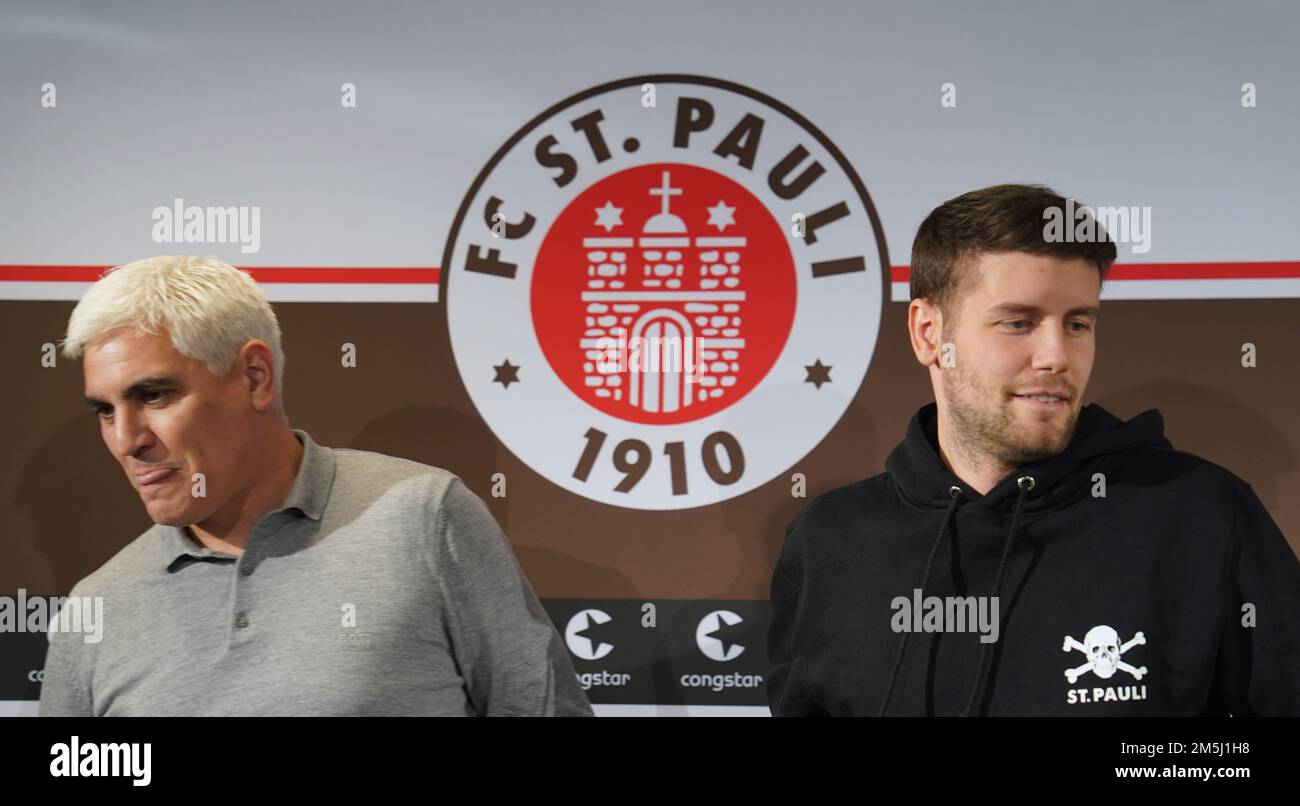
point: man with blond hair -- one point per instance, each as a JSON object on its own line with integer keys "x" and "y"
{"x": 281, "y": 577}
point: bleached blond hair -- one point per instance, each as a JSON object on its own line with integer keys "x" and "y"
{"x": 209, "y": 308}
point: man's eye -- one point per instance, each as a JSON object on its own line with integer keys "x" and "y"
{"x": 1083, "y": 326}
{"x": 150, "y": 397}
{"x": 102, "y": 413}
{"x": 1019, "y": 322}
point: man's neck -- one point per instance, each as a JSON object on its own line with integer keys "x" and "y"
{"x": 981, "y": 473}
{"x": 228, "y": 531}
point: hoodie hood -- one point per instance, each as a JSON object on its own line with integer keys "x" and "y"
{"x": 923, "y": 480}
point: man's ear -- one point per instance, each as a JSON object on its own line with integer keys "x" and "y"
{"x": 257, "y": 367}
{"x": 924, "y": 326}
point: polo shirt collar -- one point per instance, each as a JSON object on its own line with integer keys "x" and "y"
{"x": 309, "y": 496}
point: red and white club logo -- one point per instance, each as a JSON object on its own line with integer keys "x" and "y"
{"x": 664, "y": 291}
{"x": 654, "y": 325}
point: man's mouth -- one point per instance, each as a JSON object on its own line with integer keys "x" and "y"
{"x": 1044, "y": 400}
{"x": 153, "y": 477}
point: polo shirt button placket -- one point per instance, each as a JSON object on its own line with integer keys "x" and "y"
{"x": 246, "y": 566}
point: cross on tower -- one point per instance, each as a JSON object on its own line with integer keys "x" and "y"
{"x": 665, "y": 191}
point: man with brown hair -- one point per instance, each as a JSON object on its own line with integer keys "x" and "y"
{"x": 1062, "y": 561}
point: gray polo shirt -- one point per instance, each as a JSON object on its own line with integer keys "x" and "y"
{"x": 381, "y": 587}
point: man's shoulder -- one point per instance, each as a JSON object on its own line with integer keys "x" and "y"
{"x": 371, "y": 468}
{"x": 840, "y": 504}
{"x": 1186, "y": 472}
{"x": 365, "y": 477}
{"x": 133, "y": 561}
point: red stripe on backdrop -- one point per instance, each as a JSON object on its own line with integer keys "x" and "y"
{"x": 262, "y": 274}
{"x": 430, "y": 275}
{"x": 1177, "y": 271}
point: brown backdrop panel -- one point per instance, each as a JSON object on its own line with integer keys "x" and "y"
{"x": 67, "y": 507}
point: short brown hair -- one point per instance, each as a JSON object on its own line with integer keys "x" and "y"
{"x": 1001, "y": 218}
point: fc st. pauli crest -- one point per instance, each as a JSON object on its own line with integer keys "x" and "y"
{"x": 664, "y": 291}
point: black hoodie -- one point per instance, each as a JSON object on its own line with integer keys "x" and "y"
{"x": 1154, "y": 580}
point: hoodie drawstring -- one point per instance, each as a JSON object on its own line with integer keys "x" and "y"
{"x": 955, "y": 492}
{"x": 1025, "y": 484}
{"x": 977, "y": 689}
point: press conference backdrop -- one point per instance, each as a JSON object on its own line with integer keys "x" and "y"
{"x": 768, "y": 162}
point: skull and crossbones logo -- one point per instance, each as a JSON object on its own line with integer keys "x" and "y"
{"x": 1103, "y": 649}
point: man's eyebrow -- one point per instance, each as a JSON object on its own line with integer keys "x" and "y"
{"x": 144, "y": 385}
{"x": 1014, "y": 308}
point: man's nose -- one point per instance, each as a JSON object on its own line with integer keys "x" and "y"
{"x": 1051, "y": 350}
{"x": 131, "y": 434}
